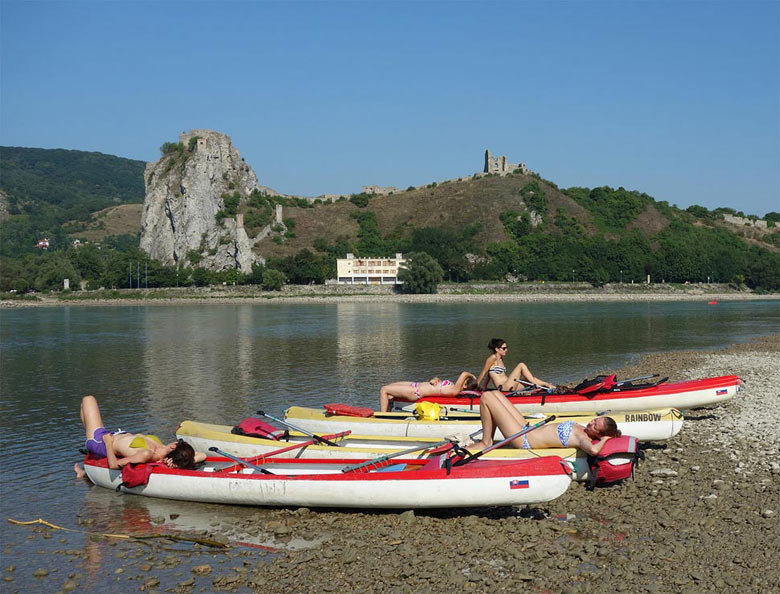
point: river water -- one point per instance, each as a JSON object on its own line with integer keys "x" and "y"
{"x": 152, "y": 366}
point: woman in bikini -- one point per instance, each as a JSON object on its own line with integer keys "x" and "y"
{"x": 494, "y": 370}
{"x": 411, "y": 391}
{"x": 496, "y": 411}
{"x": 122, "y": 448}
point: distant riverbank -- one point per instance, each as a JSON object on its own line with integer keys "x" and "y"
{"x": 449, "y": 292}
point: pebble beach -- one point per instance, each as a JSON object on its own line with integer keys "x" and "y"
{"x": 701, "y": 515}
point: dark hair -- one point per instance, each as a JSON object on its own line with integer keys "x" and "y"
{"x": 495, "y": 343}
{"x": 182, "y": 456}
{"x": 610, "y": 428}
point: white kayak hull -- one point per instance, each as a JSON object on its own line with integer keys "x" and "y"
{"x": 322, "y": 484}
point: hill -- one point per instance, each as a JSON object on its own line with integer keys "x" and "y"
{"x": 43, "y": 189}
{"x": 486, "y": 202}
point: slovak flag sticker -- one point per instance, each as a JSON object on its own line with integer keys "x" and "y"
{"x": 518, "y": 484}
{"x": 721, "y": 392}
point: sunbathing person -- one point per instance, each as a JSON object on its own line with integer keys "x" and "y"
{"x": 411, "y": 391}
{"x": 497, "y": 412}
{"x": 122, "y": 448}
{"x": 494, "y": 370}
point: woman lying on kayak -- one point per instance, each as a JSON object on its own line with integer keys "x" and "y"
{"x": 494, "y": 370}
{"x": 411, "y": 391}
{"x": 496, "y": 411}
{"x": 122, "y": 448}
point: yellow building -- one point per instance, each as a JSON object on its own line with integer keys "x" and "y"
{"x": 368, "y": 271}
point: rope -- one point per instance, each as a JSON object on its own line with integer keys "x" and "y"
{"x": 203, "y": 541}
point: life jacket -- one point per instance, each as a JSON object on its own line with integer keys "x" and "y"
{"x": 135, "y": 475}
{"x": 615, "y": 461}
{"x": 601, "y": 383}
{"x": 252, "y": 427}
{"x": 337, "y": 408}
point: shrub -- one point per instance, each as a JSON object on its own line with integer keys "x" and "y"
{"x": 360, "y": 200}
{"x": 169, "y": 148}
{"x": 420, "y": 274}
{"x": 273, "y": 280}
{"x": 193, "y": 143}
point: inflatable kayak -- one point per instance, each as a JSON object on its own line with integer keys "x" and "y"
{"x": 202, "y": 436}
{"x": 619, "y": 397}
{"x": 644, "y": 425}
{"x": 406, "y": 484}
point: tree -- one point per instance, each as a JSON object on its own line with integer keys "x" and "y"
{"x": 420, "y": 274}
{"x": 273, "y": 280}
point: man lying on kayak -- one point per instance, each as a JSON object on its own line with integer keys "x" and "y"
{"x": 122, "y": 448}
{"x": 496, "y": 411}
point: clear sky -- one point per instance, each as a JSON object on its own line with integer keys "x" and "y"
{"x": 677, "y": 99}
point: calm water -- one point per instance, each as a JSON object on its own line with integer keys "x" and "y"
{"x": 151, "y": 367}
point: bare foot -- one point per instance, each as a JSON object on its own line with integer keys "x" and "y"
{"x": 79, "y": 471}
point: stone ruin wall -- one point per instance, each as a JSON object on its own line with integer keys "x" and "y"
{"x": 500, "y": 166}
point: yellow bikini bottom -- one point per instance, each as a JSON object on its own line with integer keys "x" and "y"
{"x": 140, "y": 442}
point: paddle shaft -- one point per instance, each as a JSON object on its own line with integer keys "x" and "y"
{"x": 634, "y": 379}
{"x": 385, "y": 457}
{"x": 506, "y": 440}
{"x": 262, "y": 457}
{"x": 239, "y": 460}
{"x": 293, "y": 427}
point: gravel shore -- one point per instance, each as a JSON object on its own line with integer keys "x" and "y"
{"x": 701, "y": 515}
{"x": 449, "y": 293}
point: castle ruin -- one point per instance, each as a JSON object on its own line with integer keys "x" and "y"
{"x": 500, "y": 166}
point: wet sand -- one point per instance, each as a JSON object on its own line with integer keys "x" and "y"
{"x": 701, "y": 515}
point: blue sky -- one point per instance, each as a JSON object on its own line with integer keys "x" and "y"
{"x": 677, "y": 99}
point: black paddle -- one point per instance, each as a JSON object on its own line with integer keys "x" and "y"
{"x": 294, "y": 428}
{"x": 239, "y": 460}
{"x": 525, "y": 430}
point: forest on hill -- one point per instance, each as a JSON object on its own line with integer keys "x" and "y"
{"x": 484, "y": 227}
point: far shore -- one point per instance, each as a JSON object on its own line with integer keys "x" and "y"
{"x": 448, "y": 293}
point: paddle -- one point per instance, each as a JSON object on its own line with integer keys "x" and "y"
{"x": 294, "y": 428}
{"x": 239, "y": 460}
{"x": 385, "y": 457}
{"x": 635, "y": 379}
{"x": 296, "y": 446}
{"x": 526, "y": 429}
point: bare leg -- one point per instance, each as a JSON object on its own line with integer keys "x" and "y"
{"x": 90, "y": 415}
{"x": 79, "y": 470}
{"x": 495, "y": 410}
{"x": 522, "y": 372}
{"x": 396, "y": 391}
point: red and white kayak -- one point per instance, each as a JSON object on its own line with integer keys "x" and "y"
{"x": 681, "y": 395}
{"x": 406, "y": 484}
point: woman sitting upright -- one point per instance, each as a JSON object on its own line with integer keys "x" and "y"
{"x": 494, "y": 370}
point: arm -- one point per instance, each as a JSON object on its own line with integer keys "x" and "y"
{"x": 461, "y": 381}
{"x": 484, "y": 372}
{"x": 434, "y": 381}
{"x": 579, "y": 439}
{"x": 199, "y": 457}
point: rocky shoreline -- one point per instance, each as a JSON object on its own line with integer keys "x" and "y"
{"x": 701, "y": 515}
{"x": 448, "y": 293}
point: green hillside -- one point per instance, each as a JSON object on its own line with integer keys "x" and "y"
{"x": 526, "y": 228}
{"x": 45, "y": 188}
{"x": 513, "y": 228}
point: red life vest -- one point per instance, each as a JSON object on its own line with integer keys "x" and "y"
{"x": 135, "y": 475}
{"x": 252, "y": 427}
{"x": 601, "y": 383}
{"x": 615, "y": 462}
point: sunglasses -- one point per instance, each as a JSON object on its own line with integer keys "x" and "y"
{"x": 503, "y": 348}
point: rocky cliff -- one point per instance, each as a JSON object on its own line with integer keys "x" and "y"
{"x": 185, "y": 219}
